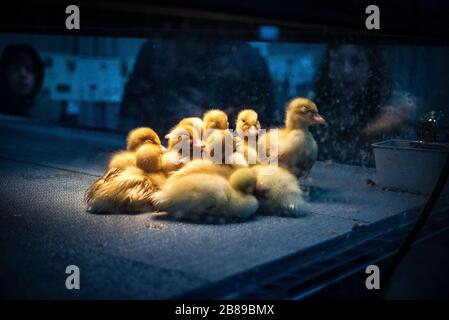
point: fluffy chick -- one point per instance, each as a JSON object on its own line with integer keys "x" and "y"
{"x": 277, "y": 191}
{"x": 205, "y": 167}
{"x": 247, "y": 130}
{"x": 126, "y": 190}
{"x": 200, "y": 194}
{"x": 184, "y": 145}
{"x": 297, "y": 149}
{"x": 195, "y": 122}
{"x": 247, "y": 122}
{"x": 135, "y": 139}
{"x": 218, "y": 137}
{"x": 139, "y": 136}
{"x": 220, "y": 148}
{"x": 215, "y": 119}
{"x": 122, "y": 159}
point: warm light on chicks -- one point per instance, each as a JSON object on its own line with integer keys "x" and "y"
{"x": 247, "y": 122}
{"x": 140, "y": 136}
{"x": 296, "y": 146}
{"x": 302, "y": 113}
{"x": 127, "y": 186}
{"x": 147, "y": 176}
{"x": 215, "y": 119}
{"x": 136, "y": 139}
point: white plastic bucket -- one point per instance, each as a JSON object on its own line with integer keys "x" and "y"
{"x": 411, "y": 166}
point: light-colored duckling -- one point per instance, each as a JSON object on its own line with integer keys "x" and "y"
{"x": 128, "y": 190}
{"x": 215, "y": 119}
{"x": 247, "y": 122}
{"x": 184, "y": 145}
{"x": 122, "y": 160}
{"x": 247, "y": 130}
{"x": 122, "y": 191}
{"x": 220, "y": 148}
{"x": 141, "y": 135}
{"x": 278, "y": 191}
{"x": 297, "y": 149}
{"x": 218, "y": 137}
{"x": 204, "y": 167}
{"x": 195, "y": 122}
{"x": 200, "y": 194}
{"x": 136, "y": 138}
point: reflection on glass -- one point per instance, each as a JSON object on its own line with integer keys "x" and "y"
{"x": 367, "y": 93}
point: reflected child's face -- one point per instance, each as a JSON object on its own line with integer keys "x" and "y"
{"x": 21, "y": 76}
{"x": 349, "y": 67}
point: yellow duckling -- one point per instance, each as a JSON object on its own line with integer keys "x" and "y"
{"x": 122, "y": 160}
{"x": 200, "y": 194}
{"x": 194, "y": 122}
{"x": 128, "y": 190}
{"x": 136, "y": 138}
{"x": 184, "y": 145}
{"x": 203, "y": 166}
{"x": 121, "y": 191}
{"x": 247, "y": 130}
{"x": 278, "y": 191}
{"x": 297, "y": 149}
{"x": 215, "y": 119}
{"x": 217, "y": 137}
{"x": 248, "y": 122}
{"x": 220, "y": 148}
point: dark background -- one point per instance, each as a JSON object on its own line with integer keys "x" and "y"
{"x": 405, "y": 21}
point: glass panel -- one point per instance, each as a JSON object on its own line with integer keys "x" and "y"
{"x": 379, "y": 120}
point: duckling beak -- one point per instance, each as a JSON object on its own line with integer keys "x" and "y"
{"x": 253, "y": 130}
{"x": 318, "y": 119}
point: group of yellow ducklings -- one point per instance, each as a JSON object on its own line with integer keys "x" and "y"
{"x": 149, "y": 177}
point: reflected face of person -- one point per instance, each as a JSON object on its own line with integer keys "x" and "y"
{"x": 349, "y": 67}
{"x": 21, "y": 76}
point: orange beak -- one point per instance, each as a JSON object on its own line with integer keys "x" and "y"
{"x": 318, "y": 119}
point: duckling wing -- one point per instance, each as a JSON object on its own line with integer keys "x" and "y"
{"x": 297, "y": 152}
{"x": 203, "y": 167}
{"x": 269, "y": 142}
{"x": 98, "y": 185}
{"x": 308, "y": 156}
{"x": 121, "y": 191}
{"x": 278, "y": 192}
{"x": 122, "y": 159}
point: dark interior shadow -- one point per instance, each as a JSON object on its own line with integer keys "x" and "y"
{"x": 124, "y": 213}
{"x": 319, "y": 194}
{"x": 200, "y": 219}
